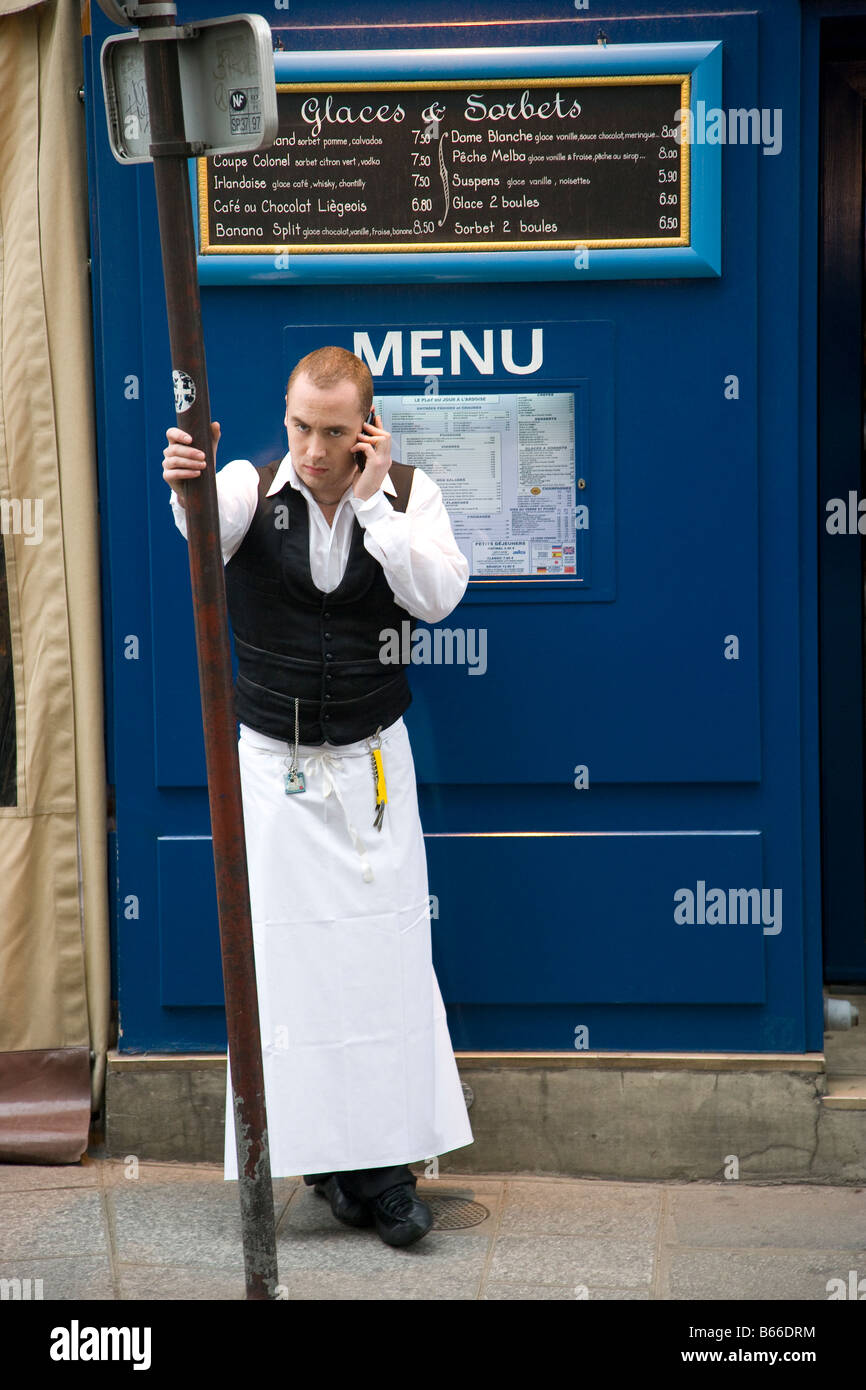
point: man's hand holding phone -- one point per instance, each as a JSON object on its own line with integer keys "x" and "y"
{"x": 373, "y": 457}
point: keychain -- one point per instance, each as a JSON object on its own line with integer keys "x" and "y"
{"x": 378, "y": 778}
{"x": 294, "y": 780}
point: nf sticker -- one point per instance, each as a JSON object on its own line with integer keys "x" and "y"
{"x": 184, "y": 391}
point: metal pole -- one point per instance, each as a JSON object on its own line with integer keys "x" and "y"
{"x": 170, "y": 153}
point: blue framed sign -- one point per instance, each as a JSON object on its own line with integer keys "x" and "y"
{"x": 561, "y": 163}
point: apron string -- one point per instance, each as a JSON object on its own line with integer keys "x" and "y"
{"x": 327, "y": 763}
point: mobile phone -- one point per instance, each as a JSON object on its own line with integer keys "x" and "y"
{"x": 358, "y": 455}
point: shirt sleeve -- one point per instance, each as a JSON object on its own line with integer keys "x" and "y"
{"x": 427, "y": 571}
{"x": 237, "y": 485}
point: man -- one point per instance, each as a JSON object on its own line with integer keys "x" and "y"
{"x": 324, "y": 551}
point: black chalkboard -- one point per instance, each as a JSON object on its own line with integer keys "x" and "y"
{"x": 532, "y": 165}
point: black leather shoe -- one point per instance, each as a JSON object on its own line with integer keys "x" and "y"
{"x": 400, "y": 1216}
{"x": 349, "y": 1210}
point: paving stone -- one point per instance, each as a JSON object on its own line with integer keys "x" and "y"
{"x": 555, "y": 1293}
{"x": 61, "y": 1221}
{"x": 617, "y": 1211}
{"x": 409, "y": 1282}
{"x": 573, "y": 1261}
{"x": 758, "y": 1274}
{"x": 188, "y": 1223}
{"x": 792, "y": 1215}
{"x": 171, "y": 1283}
{"x": 25, "y": 1177}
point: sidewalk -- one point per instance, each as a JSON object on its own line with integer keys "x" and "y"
{"x": 173, "y": 1232}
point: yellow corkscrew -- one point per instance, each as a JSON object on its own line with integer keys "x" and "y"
{"x": 381, "y": 789}
{"x": 378, "y": 780}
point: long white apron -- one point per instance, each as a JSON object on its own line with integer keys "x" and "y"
{"x": 358, "y": 1065}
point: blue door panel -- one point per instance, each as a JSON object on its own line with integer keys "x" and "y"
{"x": 674, "y": 676}
{"x": 189, "y": 976}
{"x": 591, "y": 918}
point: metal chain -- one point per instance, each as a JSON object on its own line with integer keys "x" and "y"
{"x": 293, "y": 767}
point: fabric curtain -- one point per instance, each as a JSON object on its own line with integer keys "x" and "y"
{"x": 54, "y": 964}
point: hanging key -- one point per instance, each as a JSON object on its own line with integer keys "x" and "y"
{"x": 294, "y": 780}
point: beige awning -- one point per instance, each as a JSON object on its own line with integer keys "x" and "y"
{"x": 54, "y": 968}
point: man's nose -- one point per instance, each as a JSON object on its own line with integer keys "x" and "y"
{"x": 318, "y": 448}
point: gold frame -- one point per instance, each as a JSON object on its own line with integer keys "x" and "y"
{"x": 207, "y": 247}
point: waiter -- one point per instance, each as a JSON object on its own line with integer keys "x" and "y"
{"x": 324, "y": 550}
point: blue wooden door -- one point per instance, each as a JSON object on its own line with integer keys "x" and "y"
{"x": 637, "y": 763}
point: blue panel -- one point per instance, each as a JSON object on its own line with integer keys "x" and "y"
{"x": 187, "y": 895}
{"x": 591, "y": 915}
{"x": 576, "y": 939}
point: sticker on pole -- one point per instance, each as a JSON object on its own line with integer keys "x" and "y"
{"x": 227, "y": 81}
{"x": 184, "y": 391}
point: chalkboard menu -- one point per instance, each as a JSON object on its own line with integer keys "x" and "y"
{"x": 539, "y": 164}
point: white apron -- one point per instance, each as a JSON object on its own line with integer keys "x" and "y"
{"x": 358, "y": 1065}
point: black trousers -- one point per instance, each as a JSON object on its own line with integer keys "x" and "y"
{"x": 366, "y": 1182}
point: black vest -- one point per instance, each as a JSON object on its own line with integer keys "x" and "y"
{"x": 294, "y": 640}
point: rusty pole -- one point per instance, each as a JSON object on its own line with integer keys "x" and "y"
{"x": 170, "y": 153}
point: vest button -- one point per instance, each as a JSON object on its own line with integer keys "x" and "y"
{"x": 328, "y": 676}
{"x": 326, "y": 616}
{"x": 327, "y": 636}
{"x": 328, "y": 695}
{"x": 329, "y": 656}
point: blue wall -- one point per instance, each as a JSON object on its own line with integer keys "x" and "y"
{"x": 555, "y": 905}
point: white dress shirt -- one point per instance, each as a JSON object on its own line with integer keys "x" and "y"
{"x": 424, "y": 567}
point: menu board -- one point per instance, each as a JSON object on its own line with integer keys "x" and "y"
{"x": 539, "y": 164}
{"x": 505, "y": 464}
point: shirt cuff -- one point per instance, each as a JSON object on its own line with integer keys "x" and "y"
{"x": 371, "y": 508}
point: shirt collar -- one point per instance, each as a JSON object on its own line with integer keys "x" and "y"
{"x": 286, "y": 474}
